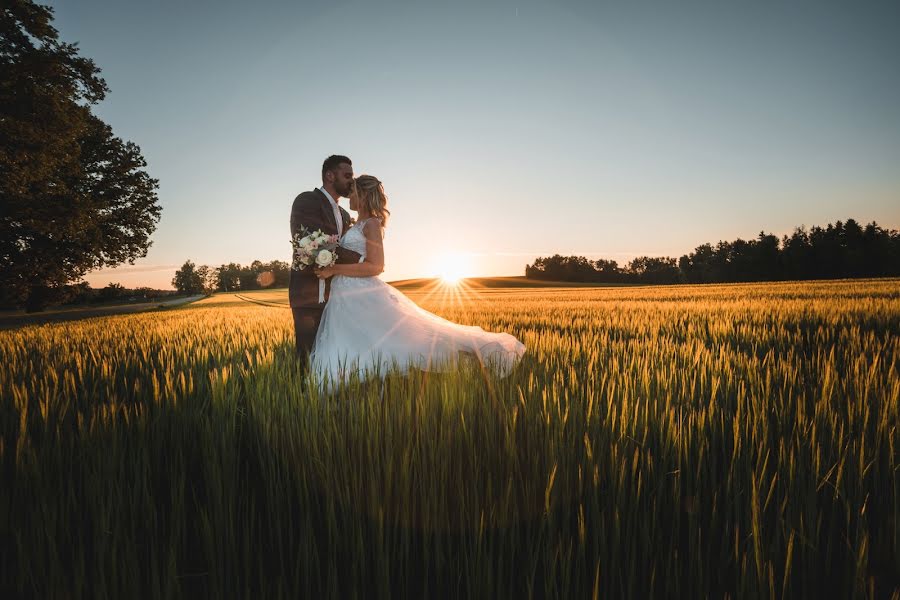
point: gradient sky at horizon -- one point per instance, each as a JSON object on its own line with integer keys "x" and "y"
{"x": 506, "y": 130}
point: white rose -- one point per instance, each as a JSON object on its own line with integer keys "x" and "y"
{"x": 324, "y": 258}
{"x": 304, "y": 243}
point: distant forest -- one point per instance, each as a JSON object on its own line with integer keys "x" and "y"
{"x": 194, "y": 279}
{"x": 842, "y": 250}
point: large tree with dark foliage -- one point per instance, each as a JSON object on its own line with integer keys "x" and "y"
{"x": 73, "y": 196}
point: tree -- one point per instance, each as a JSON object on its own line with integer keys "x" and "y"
{"x": 207, "y": 278}
{"x": 73, "y": 197}
{"x": 228, "y": 277}
{"x": 189, "y": 279}
{"x": 113, "y": 291}
{"x": 768, "y": 264}
{"x": 648, "y": 269}
{"x": 701, "y": 266}
{"x": 281, "y": 273}
{"x": 796, "y": 254}
{"x": 248, "y": 277}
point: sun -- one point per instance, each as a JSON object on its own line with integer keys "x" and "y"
{"x": 451, "y": 267}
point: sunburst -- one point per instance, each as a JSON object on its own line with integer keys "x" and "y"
{"x": 452, "y": 267}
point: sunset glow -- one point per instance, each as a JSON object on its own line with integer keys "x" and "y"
{"x": 678, "y": 127}
{"x": 452, "y": 267}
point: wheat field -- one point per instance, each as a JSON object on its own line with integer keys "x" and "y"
{"x": 722, "y": 441}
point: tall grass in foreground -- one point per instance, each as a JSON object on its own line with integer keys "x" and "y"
{"x": 722, "y": 441}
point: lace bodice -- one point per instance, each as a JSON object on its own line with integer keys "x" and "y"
{"x": 354, "y": 238}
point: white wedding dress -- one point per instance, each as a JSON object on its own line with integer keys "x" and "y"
{"x": 369, "y": 328}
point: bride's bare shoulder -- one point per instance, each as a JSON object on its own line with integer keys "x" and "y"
{"x": 374, "y": 227}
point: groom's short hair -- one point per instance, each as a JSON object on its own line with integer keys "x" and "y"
{"x": 331, "y": 163}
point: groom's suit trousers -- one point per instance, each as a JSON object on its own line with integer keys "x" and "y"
{"x": 306, "y": 324}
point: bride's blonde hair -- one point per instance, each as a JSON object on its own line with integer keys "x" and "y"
{"x": 370, "y": 193}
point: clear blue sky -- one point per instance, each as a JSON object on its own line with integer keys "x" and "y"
{"x": 506, "y": 130}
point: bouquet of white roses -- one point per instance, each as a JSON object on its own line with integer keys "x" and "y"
{"x": 314, "y": 249}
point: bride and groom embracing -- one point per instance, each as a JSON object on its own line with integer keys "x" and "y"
{"x": 346, "y": 319}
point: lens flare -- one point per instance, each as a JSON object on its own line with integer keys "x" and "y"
{"x": 265, "y": 279}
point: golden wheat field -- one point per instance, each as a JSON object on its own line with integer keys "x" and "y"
{"x": 722, "y": 441}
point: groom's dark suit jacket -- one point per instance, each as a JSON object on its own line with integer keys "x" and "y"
{"x": 313, "y": 211}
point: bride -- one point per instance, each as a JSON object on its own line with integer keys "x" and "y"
{"x": 368, "y": 327}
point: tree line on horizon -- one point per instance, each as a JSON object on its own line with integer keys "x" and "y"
{"x": 839, "y": 251}
{"x": 203, "y": 279}
{"x": 836, "y": 251}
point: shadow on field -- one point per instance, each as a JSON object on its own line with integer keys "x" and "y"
{"x": 227, "y": 492}
{"x": 251, "y": 483}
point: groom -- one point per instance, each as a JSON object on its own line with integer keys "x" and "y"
{"x": 313, "y": 210}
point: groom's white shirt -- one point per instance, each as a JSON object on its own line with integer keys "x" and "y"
{"x": 337, "y": 211}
